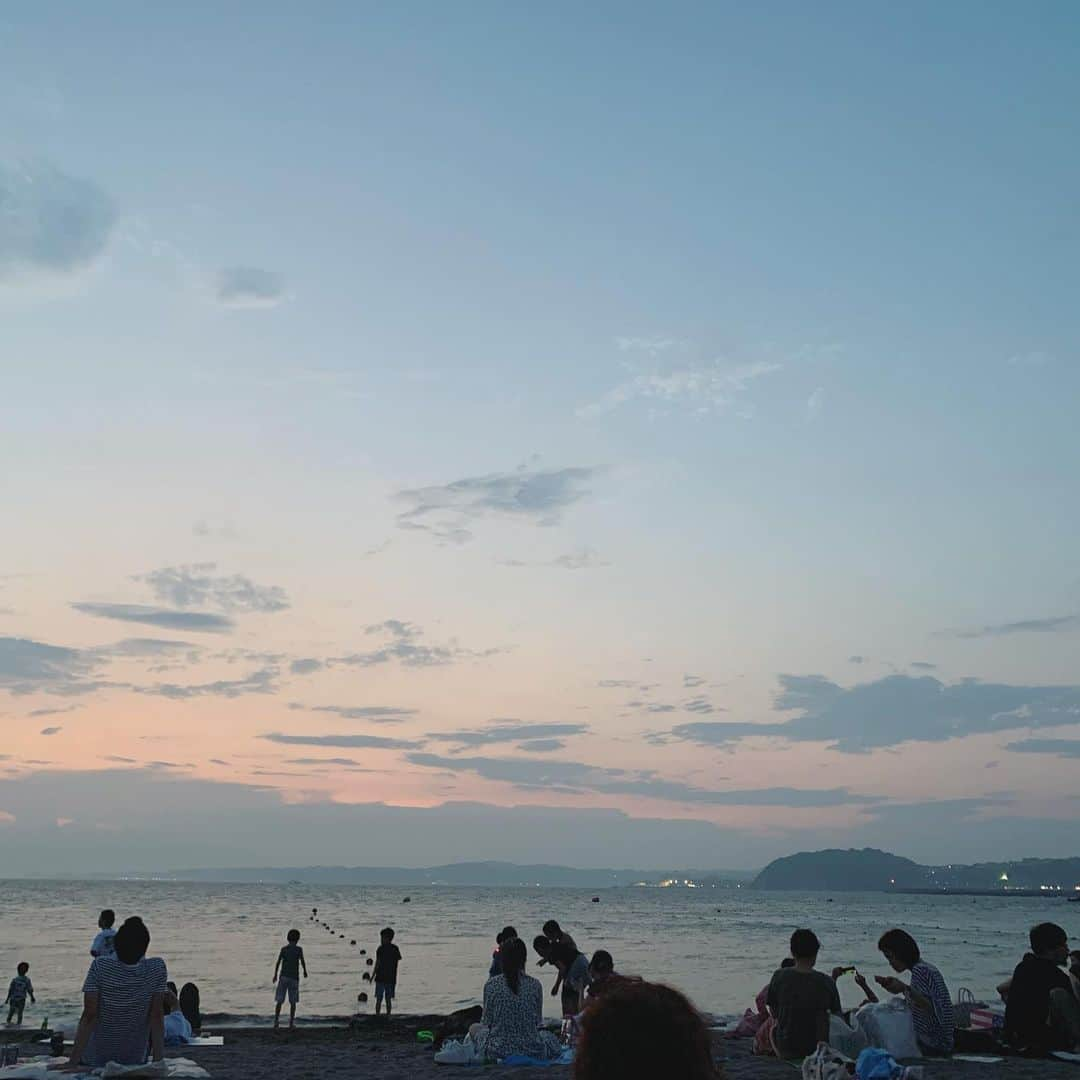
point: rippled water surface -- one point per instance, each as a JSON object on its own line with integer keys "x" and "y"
{"x": 719, "y": 946}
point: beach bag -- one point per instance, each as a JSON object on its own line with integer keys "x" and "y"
{"x": 888, "y": 1026}
{"x": 825, "y": 1063}
{"x": 848, "y": 1040}
{"x": 965, "y": 1005}
{"x": 454, "y": 1052}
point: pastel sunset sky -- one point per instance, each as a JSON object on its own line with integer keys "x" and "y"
{"x": 608, "y": 434}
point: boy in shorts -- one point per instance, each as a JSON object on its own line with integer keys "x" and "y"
{"x": 289, "y": 962}
{"x": 387, "y": 958}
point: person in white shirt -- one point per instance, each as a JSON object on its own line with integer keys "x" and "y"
{"x": 103, "y": 942}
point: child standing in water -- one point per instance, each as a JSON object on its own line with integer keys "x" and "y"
{"x": 387, "y": 958}
{"x": 21, "y": 988}
{"x": 289, "y": 962}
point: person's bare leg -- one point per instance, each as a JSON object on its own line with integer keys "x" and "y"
{"x": 292, "y": 1015}
{"x": 277, "y": 1015}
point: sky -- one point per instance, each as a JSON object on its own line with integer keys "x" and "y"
{"x": 630, "y": 434}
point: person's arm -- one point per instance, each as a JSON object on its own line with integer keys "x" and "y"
{"x": 87, "y": 1022}
{"x": 157, "y": 1027}
{"x": 277, "y": 967}
{"x": 896, "y": 986}
{"x": 30, "y": 991}
{"x": 864, "y": 986}
{"x": 1003, "y": 989}
{"x": 561, "y": 970}
{"x": 303, "y": 963}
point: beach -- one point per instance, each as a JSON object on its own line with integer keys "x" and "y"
{"x": 389, "y": 1050}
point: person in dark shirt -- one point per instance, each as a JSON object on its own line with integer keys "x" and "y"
{"x": 387, "y": 958}
{"x": 801, "y": 999}
{"x": 1041, "y": 1012}
{"x": 289, "y": 962}
{"x": 573, "y": 969}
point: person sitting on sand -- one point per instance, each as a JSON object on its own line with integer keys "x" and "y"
{"x": 932, "y": 1013}
{"x": 123, "y": 1004}
{"x": 573, "y": 972}
{"x": 603, "y": 978}
{"x": 507, "y": 933}
{"x": 514, "y": 1012}
{"x": 643, "y": 1031}
{"x": 289, "y": 962}
{"x": 1042, "y": 1013}
{"x": 800, "y": 1000}
{"x": 177, "y": 1028}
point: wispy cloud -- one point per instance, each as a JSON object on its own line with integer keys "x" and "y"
{"x": 376, "y": 714}
{"x": 530, "y": 773}
{"x": 305, "y": 666}
{"x": 27, "y": 666}
{"x": 895, "y": 710}
{"x": 1066, "y": 748}
{"x": 507, "y": 731}
{"x": 50, "y": 223}
{"x": 405, "y": 646}
{"x": 163, "y": 618}
{"x": 815, "y": 403}
{"x": 196, "y": 585}
{"x": 356, "y": 742}
{"x": 258, "y": 682}
{"x": 249, "y": 287}
{"x": 536, "y": 496}
{"x": 51, "y": 730}
{"x": 674, "y": 377}
{"x": 1054, "y": 624}
{"x": 584, "y": 559}
{"x": 1033, "y": 359}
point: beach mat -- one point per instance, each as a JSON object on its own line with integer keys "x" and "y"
{"x": 206, "y": 1040}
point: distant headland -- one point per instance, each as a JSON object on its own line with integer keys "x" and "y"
{"x": 871, "y": 870}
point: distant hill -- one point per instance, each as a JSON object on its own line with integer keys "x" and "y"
{"x": 872, "y": 870}
{"x": 471, "y": 873}
{"x": 841, "y": 871}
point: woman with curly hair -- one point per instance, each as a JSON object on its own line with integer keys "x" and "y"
{"x": 640, "y": 1031}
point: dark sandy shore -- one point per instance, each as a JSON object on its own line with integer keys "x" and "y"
{"x": 390, "y": 1051}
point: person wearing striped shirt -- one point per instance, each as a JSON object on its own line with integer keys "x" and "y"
{"x": 123, "y": 1003}
{"x": 926, "y": 993}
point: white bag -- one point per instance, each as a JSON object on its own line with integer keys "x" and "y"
{"x": 453, "y": 1052}
{"x": 848, "y": 1040}
{"x": 888, "y": 1026}
{"x": 825, "y": 1063}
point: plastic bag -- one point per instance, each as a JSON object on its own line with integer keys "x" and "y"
{"x": 888, "y": 1026}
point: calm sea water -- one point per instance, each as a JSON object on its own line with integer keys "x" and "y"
{"x": 718, "y": 946}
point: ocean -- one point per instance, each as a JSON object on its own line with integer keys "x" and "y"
{"x": 717, "y": 945}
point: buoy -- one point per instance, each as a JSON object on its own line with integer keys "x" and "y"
{"x": 361, "y": 997}
{"x": 596, "y": 899}
{"x": 367, "y": 976}
{"x": 353, "y": 942}
{"x": 363, "y": 952}
{"x": 407, "y": 900}
{"x": 341, "y": 935}
{"x": 369, "y": 961}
